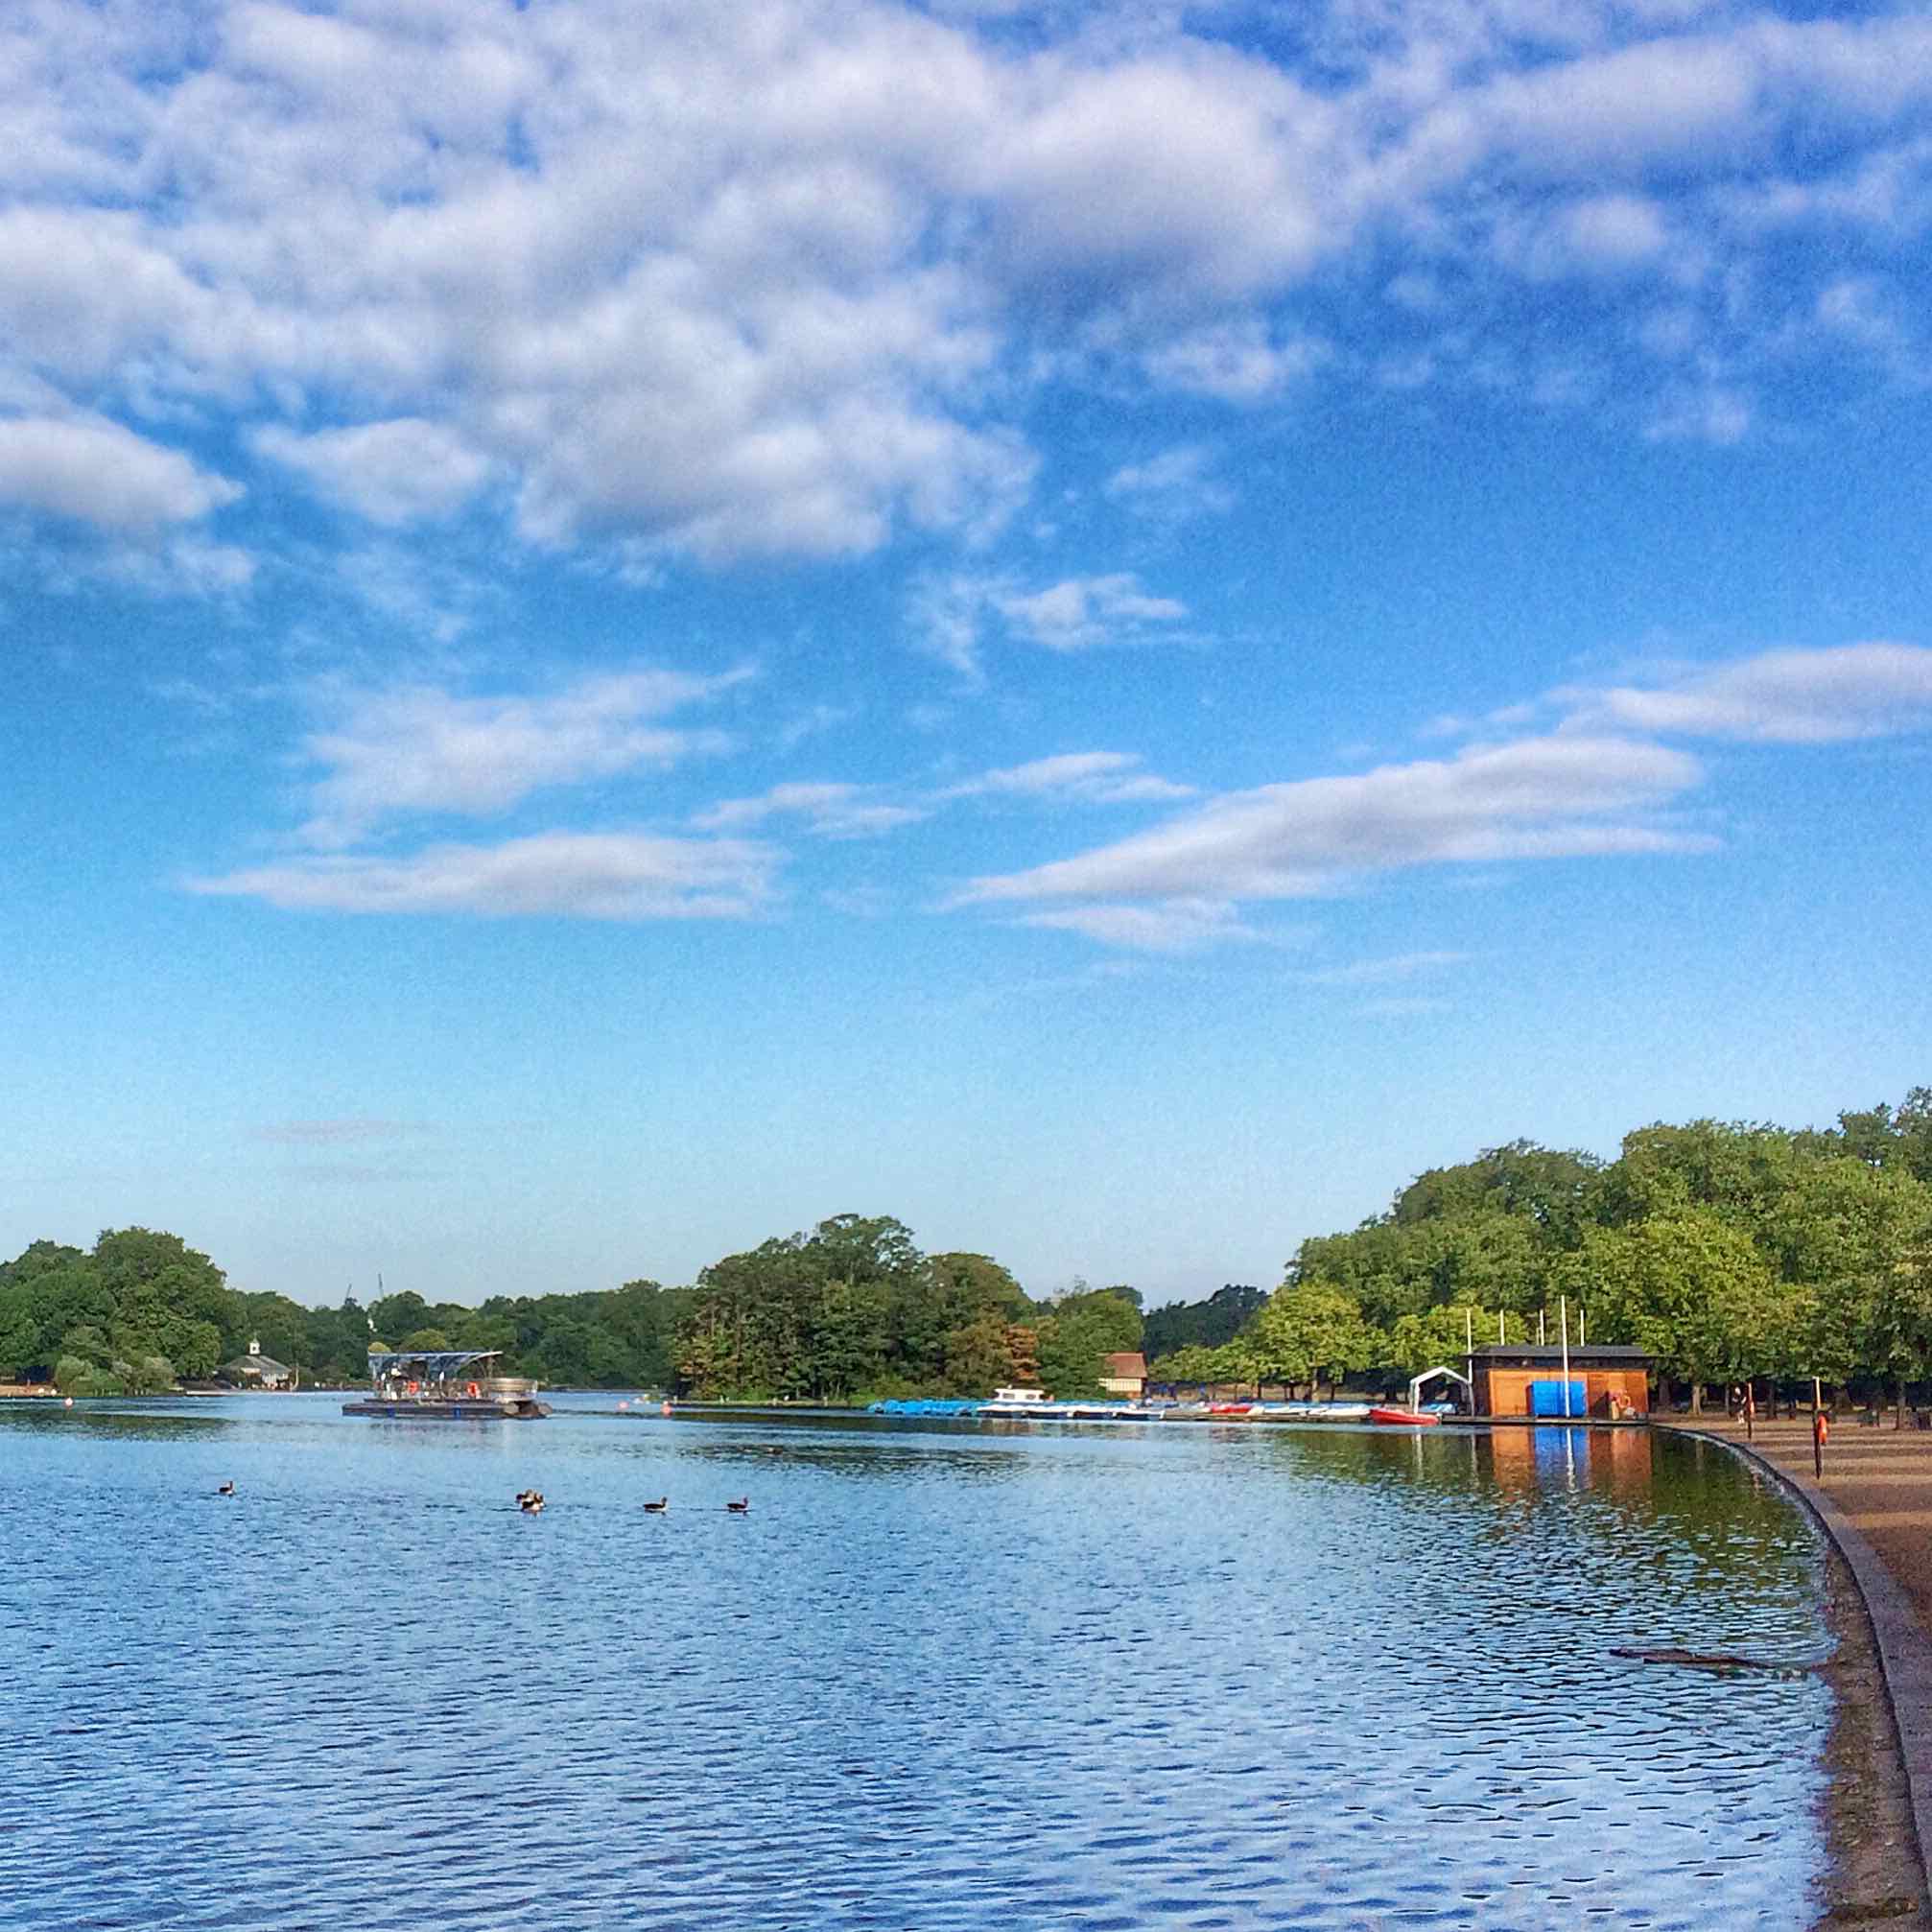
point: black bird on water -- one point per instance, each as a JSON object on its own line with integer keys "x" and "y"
{"x": 227, "y": 1489}
{"x": 740, "y": 1506}
{"x": 658, "y": 1507}
{"x": 529, "y": 1501}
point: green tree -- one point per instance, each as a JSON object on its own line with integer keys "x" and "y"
{"x": 1688, "y": 1286}
{"x": 1311, "y": 1333}
{"x": 1083, "y": 1329}
{"x": 19, "y": 1330}
{"x": 152, "y": 1375}
{"x": 1230, "y": 1361}
{"x": 1898, "y": 1337}
{"x": 1205, "y": 1323}
{"x": 978, "y": 1358}
{"x": 1439, "y": 1337}
{"x": 399, "y": 1314}
{"x": 846, "y": 1339}
{"x": 194, "y": 1348}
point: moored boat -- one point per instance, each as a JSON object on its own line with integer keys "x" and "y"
{"x": 1036, "y": 1402}
{"x": 453, "y": 1385}
{"x": 1415, "y": 1419}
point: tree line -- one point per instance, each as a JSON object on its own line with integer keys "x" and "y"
{"x": 1726, "y": 1250}
{"x": 851, "y": 1310}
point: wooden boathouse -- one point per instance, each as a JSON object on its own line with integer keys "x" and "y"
{"x": 1528, "y": 1382}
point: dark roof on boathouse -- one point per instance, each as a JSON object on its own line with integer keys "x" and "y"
{"x": 1538, "y": 1354}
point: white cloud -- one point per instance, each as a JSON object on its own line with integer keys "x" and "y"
{"x": 1710, "y": 414}
{"x": 99, "y": 473}
{"x": 420, "y": 749}
{"x": 1171, "y": 486}
{"x": 1197, "y": 169}
{"x": 616, "y": 876}
{"x": 1241, "y": 360}
{"x": 830, "y": 811}
{"x": 952, "y": 615}
{"x": 1543, "y": 797}
{"x": 1595, "y": 236}
{"x": 1167, "y": 926}
{"x": 399, "y": 472}
{"x": 1090, "y": 777}
{"x": 1825, "y": 696}
{"x": 789, "y": 279}
{"x": 1079, "y": 612}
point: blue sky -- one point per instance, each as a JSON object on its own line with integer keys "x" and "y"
{"x": 622, "y": 627}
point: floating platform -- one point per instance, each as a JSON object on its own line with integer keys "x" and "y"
{"x": 444, "y": 1385}
{"x": 459, "y": 1409}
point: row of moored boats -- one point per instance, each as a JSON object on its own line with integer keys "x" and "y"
{"x": 1035, "y": 1405}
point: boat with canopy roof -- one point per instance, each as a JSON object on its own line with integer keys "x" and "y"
{"x": 453, "y": 1385}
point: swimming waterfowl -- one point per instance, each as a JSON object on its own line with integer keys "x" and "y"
{"x": 227, "y": 1489}
{"x": 658, "y": 1507}
{"x": 532, "y": 1503}
{"x": 738, "y": 1507}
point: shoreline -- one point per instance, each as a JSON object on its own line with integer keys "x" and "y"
{"x": 1878, "y": 1800}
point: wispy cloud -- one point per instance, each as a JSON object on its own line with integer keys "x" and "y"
{"x": 420, "y": 749}
{"x": 1167, "y": 926}
{"x": 93, "y": 471}
{"x": 615, "y": 876}
{"x": 829, "y": 811}
{"x": 1087, "y": 777}
{"x": 1171, "y": 488}
{"x": 402, "y": 471}
{"x": 1080, "y": 612}
{"x": 953, "y": 617}
{"x": 1851, "y": 691}
{"x": 1545, "y": 797}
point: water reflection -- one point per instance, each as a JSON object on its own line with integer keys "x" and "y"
{"x": 1165, "y": 1676}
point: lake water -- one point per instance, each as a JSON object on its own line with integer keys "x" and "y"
{"x": 1174, "y": 1676}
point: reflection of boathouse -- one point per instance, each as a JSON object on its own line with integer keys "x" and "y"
{"x": 1604, "y": 1385}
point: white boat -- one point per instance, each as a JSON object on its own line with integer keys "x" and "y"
{"x": 1034, "y": 1402}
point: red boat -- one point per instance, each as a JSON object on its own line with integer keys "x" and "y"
{"x": 1227, "y": 1409}
{"x": 1414, "y": 1419}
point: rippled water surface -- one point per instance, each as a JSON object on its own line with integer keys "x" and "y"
{"x": 1173, "y": 1676}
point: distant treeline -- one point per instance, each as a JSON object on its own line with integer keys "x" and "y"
{"x": 1725, "y": 1250}
{"x": 852, "y": 1309}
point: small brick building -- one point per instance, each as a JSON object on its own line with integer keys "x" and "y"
{"x": 1606, "y": 1384}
